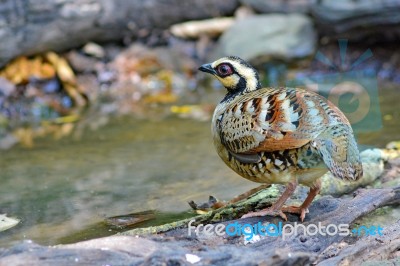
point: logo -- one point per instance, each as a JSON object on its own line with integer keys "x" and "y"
{"x": 255, "y": 231}
{"x": 348, "y": 85}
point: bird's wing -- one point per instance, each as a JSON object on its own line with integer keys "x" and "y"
{"x": 272, "y": 119}
{"x": 338, "y": 149}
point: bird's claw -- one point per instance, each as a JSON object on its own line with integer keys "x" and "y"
{"x": 296, "y": 210}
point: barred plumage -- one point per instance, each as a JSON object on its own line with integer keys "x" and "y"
{"x": 280, "y": 135}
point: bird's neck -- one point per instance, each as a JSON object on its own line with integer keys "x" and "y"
{"x": 239, "y": 91}
{"x": 245, "y": 85}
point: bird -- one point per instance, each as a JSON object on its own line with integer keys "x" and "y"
{"x": 280, "y": 135}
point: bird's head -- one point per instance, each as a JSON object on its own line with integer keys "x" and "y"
{"x": 235, "y": 74}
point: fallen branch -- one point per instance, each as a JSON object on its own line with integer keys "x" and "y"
{"x": 373, "y": 249}
{"x": 346, "y": 212}
{"x": 373, "y": 164}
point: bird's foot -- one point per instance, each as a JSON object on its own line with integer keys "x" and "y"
{"x": 265, "y": 212}
{"x": 296, "y": 210}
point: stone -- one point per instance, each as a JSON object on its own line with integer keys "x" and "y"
{"x": 82, "y": 63}
{"x": 263, "y": 37}
{"x": 93, "y": 49}
{"x": 6, "y": 87}
{"x": 195, "y": 29}
{"x": 7, "y": 222}
{"x": 375, "y": 21}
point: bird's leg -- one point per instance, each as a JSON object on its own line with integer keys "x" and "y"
{"x": 276, "y": 208}
{"x": 303, "y": 208}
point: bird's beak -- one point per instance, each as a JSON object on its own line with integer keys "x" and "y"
{"x": 208, "y": 69}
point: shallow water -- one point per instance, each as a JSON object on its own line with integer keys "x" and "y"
{"x": 130, "y": 165}
{"x": 62, "y": 190}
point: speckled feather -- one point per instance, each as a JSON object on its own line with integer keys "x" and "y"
{"x": 284, "y": 124}
{"x": 269, "y": 135}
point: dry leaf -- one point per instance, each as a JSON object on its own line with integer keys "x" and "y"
{"x": 163, "y": 98}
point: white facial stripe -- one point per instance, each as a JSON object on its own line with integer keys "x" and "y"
{"x": 219, "y": 61}
{"x": 247, "y": 73}
{"x": 243, "y": 71}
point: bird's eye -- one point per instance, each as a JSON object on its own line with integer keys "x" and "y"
{"x": 224, "y": 70}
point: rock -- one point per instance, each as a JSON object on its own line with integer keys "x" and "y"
{"x": 357, "y": 20}
{"x": 93, "y": 49}
{"x": 281, "y": 6}
{"x": 44, "y": 25}
{"x": 194, "y": 29}
{"x": 7, "y": 222}
{"x": 6, "y": 87}
{"x": 354, "y": 20}
{"x": 40, "y": 255}
{"x": 82, "y": 63}
{"x": 264, "y": 36}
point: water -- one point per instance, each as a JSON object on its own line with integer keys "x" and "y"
{"x": 130, "y": 165}
{"x": 63, "y": 190}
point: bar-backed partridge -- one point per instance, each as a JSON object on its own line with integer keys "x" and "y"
{"x": 282, "y": 135}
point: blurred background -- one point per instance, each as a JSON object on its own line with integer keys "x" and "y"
{"x": 103, "y": 112}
